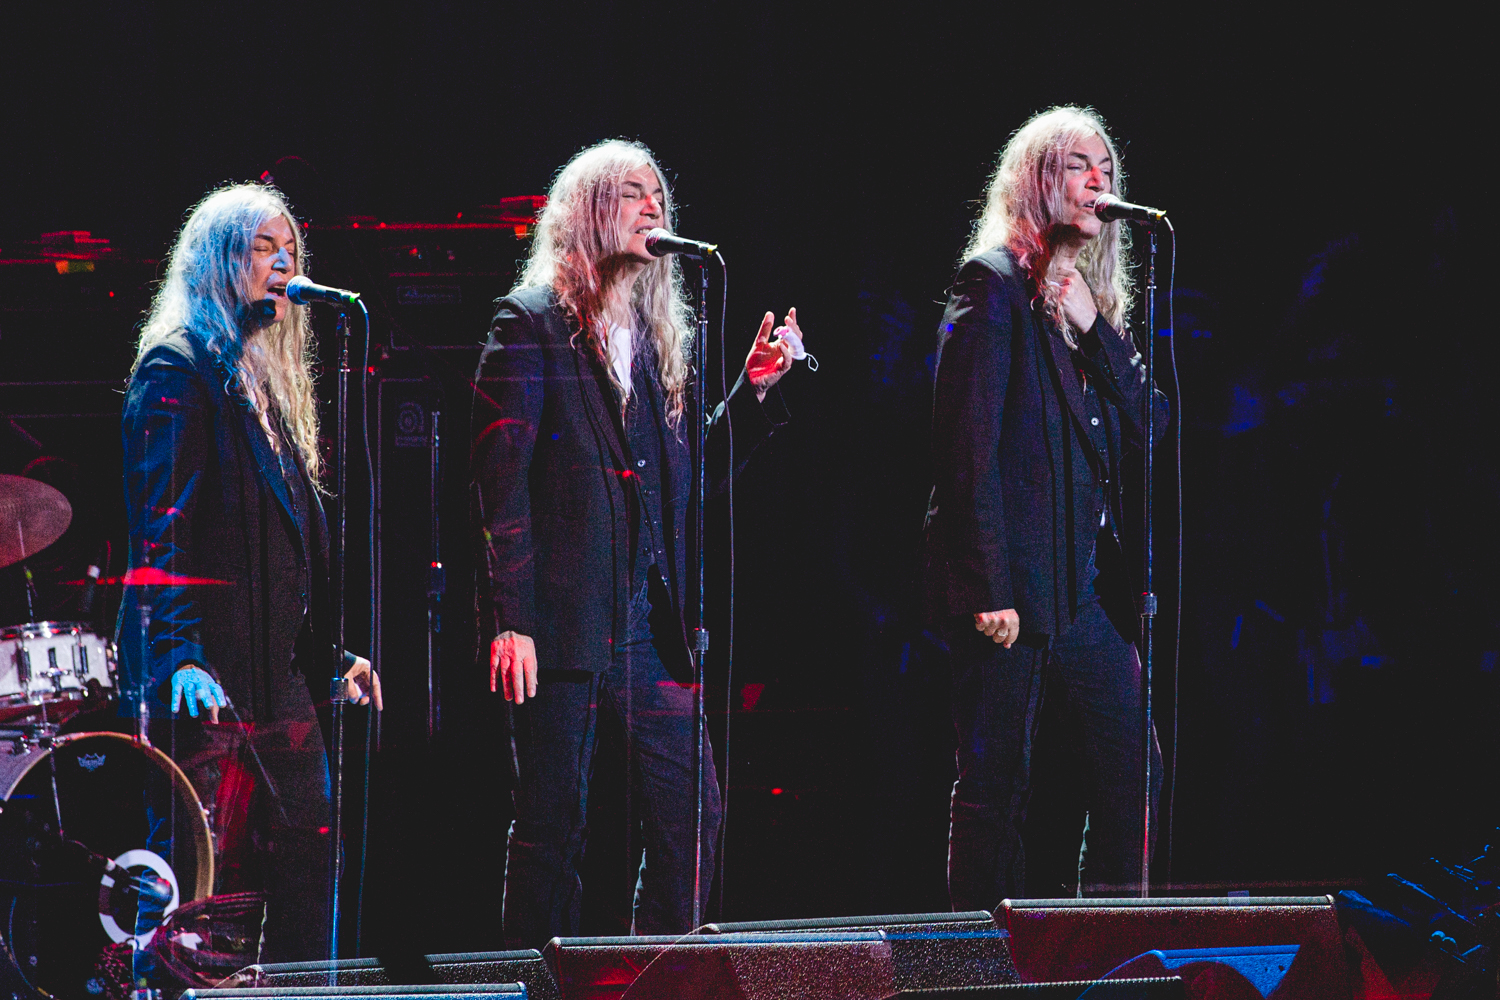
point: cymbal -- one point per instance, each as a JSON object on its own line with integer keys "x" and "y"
{"x": 33, "y": 515}
{"x": 150, "y": 576}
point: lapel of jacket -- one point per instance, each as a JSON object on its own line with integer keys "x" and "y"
{"x": 317, "y": 522}
{"x": 599, "y": 398}
{"x": 1064, "y": 377}
{"x": 269, "y": 465}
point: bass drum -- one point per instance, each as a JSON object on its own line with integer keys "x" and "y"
{"x": 101, "y": 837}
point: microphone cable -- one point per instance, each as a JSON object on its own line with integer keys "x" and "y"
{"x": 1105, "y": 978}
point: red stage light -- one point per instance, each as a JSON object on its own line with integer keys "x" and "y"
{"x": 775, "y": 791}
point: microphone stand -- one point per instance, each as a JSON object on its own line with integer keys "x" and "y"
{"x": 1148, "y": 595}
{"x": 700, "y": 631}
{"x": 338, "y": 688}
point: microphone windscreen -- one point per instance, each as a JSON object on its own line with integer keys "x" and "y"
{"x": 654, "y": 245}
{"x": 297, "y": 287}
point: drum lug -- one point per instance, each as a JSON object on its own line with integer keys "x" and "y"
{"x": 53, "y": 671}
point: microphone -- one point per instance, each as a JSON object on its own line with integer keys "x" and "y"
{"x": 304, "y": 292}
{"x": 659, "y": 243}
{"x": 1109, "y": 208}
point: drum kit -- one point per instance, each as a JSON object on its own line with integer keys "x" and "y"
{"x": 102, "y": 837}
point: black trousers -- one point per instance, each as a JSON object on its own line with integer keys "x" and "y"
{"x": 266, "y": 788}
{"x": 997, "y": 699}
{"x": 554, "y": 735}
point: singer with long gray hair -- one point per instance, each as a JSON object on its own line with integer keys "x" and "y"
{"x": 222, "y": 477}
{"x": 1039, "y": 396}
{"x": 582, "y": 481}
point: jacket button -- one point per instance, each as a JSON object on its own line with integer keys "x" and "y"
{"x": 1094, "y": 421}
{"x": 640, "y": 463}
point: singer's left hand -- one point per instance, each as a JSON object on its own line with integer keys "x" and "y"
{"x": 768, "y": 361}
{"x": 1077, "y": 299}
{"x": 363, "y": 683}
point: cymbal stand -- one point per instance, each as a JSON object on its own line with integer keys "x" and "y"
{"x": 30, "y": 593}
{"x": 142, "y": 704}
{"x": 141, "y": 988}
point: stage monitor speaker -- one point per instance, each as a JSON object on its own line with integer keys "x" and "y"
{"x": 1289, "y": 947}
{"x": 525, "y": 967}
{"x": 1169, "y": 988}
{"x": 785, "y": 966}
{"x": 849, "y": 957}
{"x": 477, "y": 991}
{"x": 928, "y": 950}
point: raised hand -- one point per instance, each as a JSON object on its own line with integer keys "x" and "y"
{"x": 769, "y": 360}
{"x": 1076, "y": 297}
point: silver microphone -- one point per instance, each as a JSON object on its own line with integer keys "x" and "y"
{"x": 1109, "y": 208}
{"x": 304, "y": 292}
{"x": 659, "y": 243}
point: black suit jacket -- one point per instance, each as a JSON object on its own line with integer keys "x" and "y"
{"x": 1007, "y": 527}
{"x": 203, "y": 492}
{"x": 553, "y": 480}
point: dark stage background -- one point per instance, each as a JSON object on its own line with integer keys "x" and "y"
{"x": 1340, "y": 628}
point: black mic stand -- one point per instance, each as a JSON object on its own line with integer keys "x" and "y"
{"x": 1147, "y": 605}
{"x": 338, "y": 687}
{"x": 700, "y": 631}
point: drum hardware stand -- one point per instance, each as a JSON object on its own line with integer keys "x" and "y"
{"x": 141, "y": 990}
{"x": 142, "y": 707}
{"x": 30, "y": 592}
{"x": 436, "y": 579}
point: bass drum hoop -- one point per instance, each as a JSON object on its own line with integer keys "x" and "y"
{"x": 38, "y": 755}
{"x": 180, "y": 782}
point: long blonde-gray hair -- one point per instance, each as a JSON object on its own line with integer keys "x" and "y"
{"x": 1026, "y": 199}
{"x": 579, "y": 230}
{"x": 207, "y": 293}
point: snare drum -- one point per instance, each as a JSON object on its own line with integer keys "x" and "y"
{"x": 46, "y": 665}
